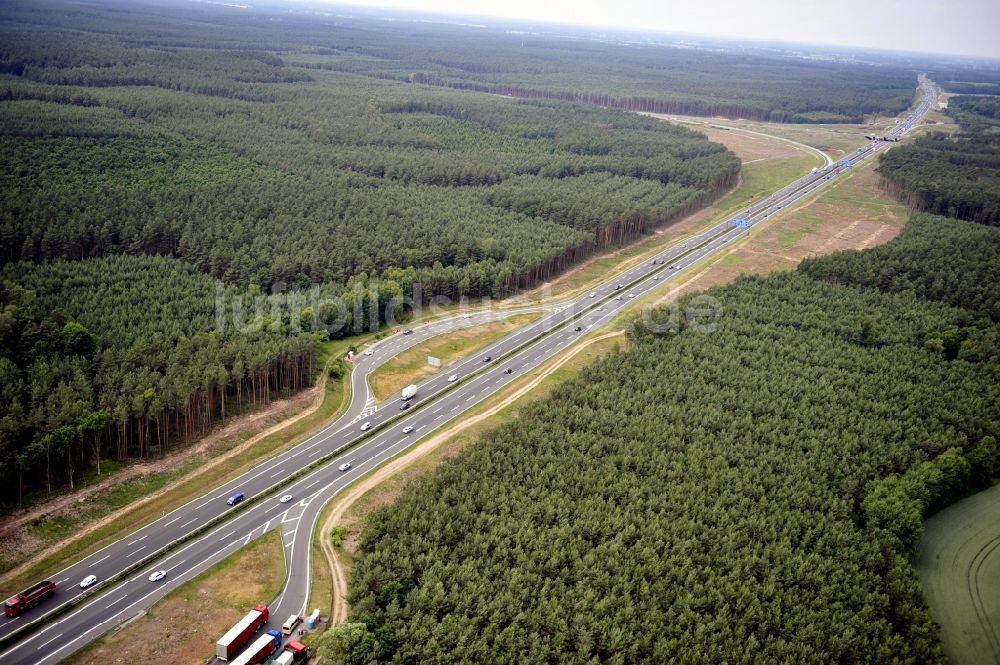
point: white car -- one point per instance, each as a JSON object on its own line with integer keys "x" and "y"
{"x": 453, "y": 378}
{"x": 407, "y": 429}
{"x": 286, "y": 498}
{"x": 87, "y": 581}
{"x": 366, "y": 426}
{"x": 593, "y": 295}
{"x": 466, "y": 316}
{"x": 157, "y": 576}
{"x": 631, "y": 295}
{"x": 656, "y": 279}
{"x": 345, "y": 466}
{"x": 369, "y": 352}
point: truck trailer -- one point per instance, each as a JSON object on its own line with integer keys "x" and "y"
{"x": 28, "y": 598}
{"x": 295, "y": 653}
{"x": 261, "y": 648}
{"x": 241, "y": 633}
{"x": 409, "y": 392}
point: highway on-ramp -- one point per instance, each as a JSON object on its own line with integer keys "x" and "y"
{"x": 439, "y": 401}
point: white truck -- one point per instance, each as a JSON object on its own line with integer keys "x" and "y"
{"x": 409, "y": 391}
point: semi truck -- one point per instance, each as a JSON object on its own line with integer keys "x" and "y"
{"x": 409, "y": 392}
{"x": 295, "y": 653}
{"x": 241, "y": 633}
{"x": 261, "y": 648}
{"x": 28, "y": 598}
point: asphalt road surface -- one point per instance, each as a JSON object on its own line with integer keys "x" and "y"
{"x": 438, "y": 402}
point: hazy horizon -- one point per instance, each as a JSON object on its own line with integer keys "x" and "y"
{"x": 974, "y": 29}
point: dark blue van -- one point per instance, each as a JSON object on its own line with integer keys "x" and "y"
{"x": 234, "y": 499}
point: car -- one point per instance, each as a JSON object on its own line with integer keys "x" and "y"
{"x": 236, "y": 498}
{"x": 673, "y": 267}
{"x": 286, "y": 498}
{"x": 453, "y": 378}
{"x": 653, "y": 262}
{"x": 87, "y": 581}
{"x": 366, "y": 426}
{"x": 487, "y": 359}
{"x": 684, "y": 245}
{"x": 345, "y": 466}
{"x": 631, "y": 295}
{"x": 508, "y": 371}
{"x": 617, "y": 286}
{"x": 288, "y": 627}
{"x": 618, "y": 298}
{"x": 404, "y": 406}
{"x": 656, "y": 279}
{"x": 578, "y": 328}
{"x": 407, "y": 429}
{"x": 157, "y": 576}
{"x": 407, "y": 332}
{"x": 369, "y": 352}
{"x": 466, "y": 316}
{"x": 593, "y": 295}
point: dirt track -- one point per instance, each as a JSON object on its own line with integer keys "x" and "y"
{"x": 342, "y": 503}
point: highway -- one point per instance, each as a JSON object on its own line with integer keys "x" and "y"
{"x": 438, "y": 403}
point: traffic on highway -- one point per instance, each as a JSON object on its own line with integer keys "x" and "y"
{"x": 131, "y": 574}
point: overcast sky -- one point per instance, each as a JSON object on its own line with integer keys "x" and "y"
{"x": 968, "y": 27}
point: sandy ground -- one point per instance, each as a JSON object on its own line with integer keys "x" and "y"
{"x": 281, "y": 413}
{"x": 852, "y": 214}
{"x": 182, "y": 628}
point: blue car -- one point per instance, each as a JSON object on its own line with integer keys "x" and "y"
{"x": 236, "y": 498}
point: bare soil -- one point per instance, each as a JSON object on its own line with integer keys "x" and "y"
{"x": 15, "y": 530}
{"x": 853, "y": 213}
{"x": 182, "y": 628}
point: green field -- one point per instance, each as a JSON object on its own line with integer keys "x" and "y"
{"x": 958, "y": 563}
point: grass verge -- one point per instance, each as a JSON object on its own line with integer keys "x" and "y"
{"x": 345, "y": 514}
{"x": 411, "y": 365}
{"x": 102, "y": 519}
{"x": 183, "y": 627}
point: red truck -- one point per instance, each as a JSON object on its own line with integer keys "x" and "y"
{"x": 238, "y": 635}
{"x": 295, "y": 653}
{"x": 28, "y": 598}
{"x": 261, "y": 648}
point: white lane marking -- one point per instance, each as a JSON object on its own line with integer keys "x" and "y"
{"x": 173, "y": 520}
{"x": 46, "y": 643}
{"x": 205, "y": 504}
{"x": 315, "y": 452}
{"x": 188, "y": 522}
{"x": 135, "y": 552}
{"x": 311, "y": 484}
{"x": 108, "y": 606}
{"x": 278, "y": 473}
{"x": 63, "y": 581}
{"x": 227, "y": 535}
{"x": 175, "y": 565}
{"x": 135, "y": 541}
{"x": 106, "y": 556}
{"x": 439, "y": 417}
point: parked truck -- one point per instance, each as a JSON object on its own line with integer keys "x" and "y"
{"x": 409, "y": 392}
{"x": 28, "y": 598}
{"x": 260, "y": 649}
{"x": 241, "y": 633}
{"x": 295, "y": 653}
